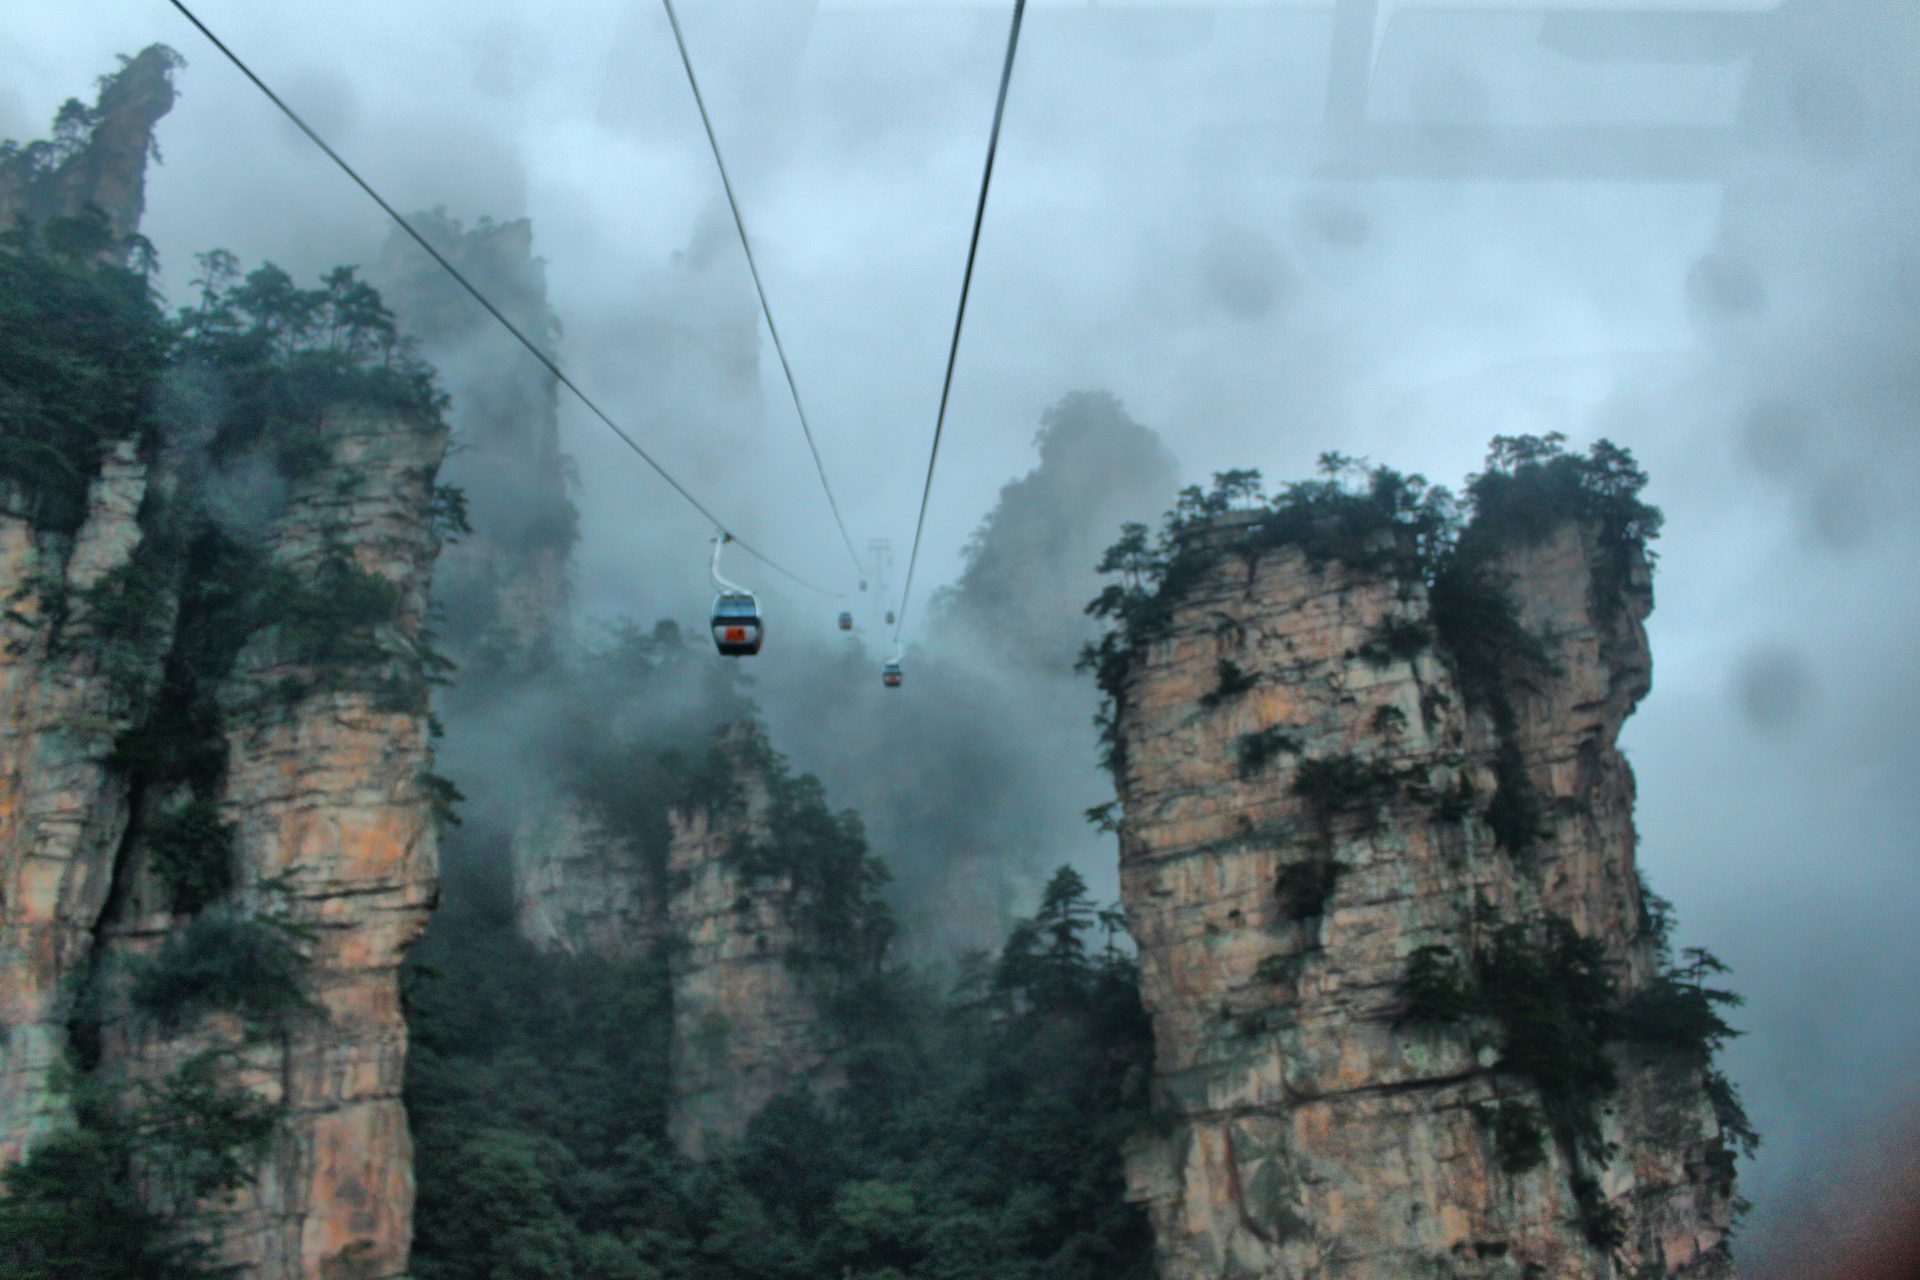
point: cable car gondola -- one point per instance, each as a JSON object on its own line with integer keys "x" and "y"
{"x": 889, "y": 617}
{"x": 737, "y": 628}
{"x": 890, "y": 673}
{"x": 737, "y": 631}
{"x": 846, "y": 622}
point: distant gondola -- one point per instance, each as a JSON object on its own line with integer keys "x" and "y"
{"x": 890, "y": 673}
{"x": 846, "y": 622}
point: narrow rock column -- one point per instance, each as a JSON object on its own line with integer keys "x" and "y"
{"x": 749, "y": 1021}
{"x": 108, "y": 171}
{"x": 326, "y": 792}
{"x": 1304, "y": 809}
{"x": 328, "y": 796}
{"x": 62, "y": 811}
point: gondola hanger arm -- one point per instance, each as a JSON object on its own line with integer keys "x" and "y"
{"x": 725, "y": 587}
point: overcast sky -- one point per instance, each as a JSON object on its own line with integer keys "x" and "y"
{"x": 1170, "y": 223}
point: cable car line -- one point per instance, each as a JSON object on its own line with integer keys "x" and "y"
{"x": 753, "y": 268}
{"x": 491, "y": 309}
{"x": 959, "y": 319}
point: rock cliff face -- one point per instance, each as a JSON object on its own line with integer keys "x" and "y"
{"x": 63, "y": 811}
{"x": 581, "y": 889}
{"x": 327, "y": 791}
{"x": 749, "y": 1017}
{"x": 324, "y": 792}
{"x": 1311, "y": 797}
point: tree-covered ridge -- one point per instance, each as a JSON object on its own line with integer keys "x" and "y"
{"x": 275, "y": 357}
{"x": 1382, "y": 521}
{"x": 89, "y": 359}
{"x": 822, "y": 853}
{"x": 235, "y": 387}
{"x": 978, "y": 1137}
{"x": 1376, "y": 519}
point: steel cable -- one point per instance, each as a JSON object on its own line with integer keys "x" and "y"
{"x": 491, "y": 309}
{"x": 960, "y": 317}
{"x": 753, "y": 268}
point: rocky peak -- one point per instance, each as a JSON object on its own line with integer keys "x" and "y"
{"x": 98, "y": 156}
{"x": 1371, "y": 812}
{"x": 758, "y": 901}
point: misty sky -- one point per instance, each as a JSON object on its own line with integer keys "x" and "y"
{"x": 1169, "y": 224}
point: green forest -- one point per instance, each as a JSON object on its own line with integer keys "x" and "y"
{"x": 979, "y": 1135}
{"x": 980, "y": 1130}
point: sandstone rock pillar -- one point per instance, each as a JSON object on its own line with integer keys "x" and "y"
{"x": 1292, "y": 837}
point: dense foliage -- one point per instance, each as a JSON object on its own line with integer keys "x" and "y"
{"x": 82, "y": 350}
{"x": 1379, "y": 521}
{"x": 979, "y": 1132}
{"x": 979, "y": 1135}
{"x": 81, "y": 1206}
{"x": 274, "y": 358}
{"x": 246, "y": 965}
{"x": 98, "y": 1199}
{"x": 192, "y": 853}
{"x": 1343, "y": 785}
{"x": 1555, "y": 1007}
{"x": 824, "y": 854}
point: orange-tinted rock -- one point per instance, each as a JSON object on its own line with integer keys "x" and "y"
{"x": 1315, "y": 1132}
{"x": 334, "y": 828}
{"x": 323, "y": 782}
{"x": 333, "y": 832}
